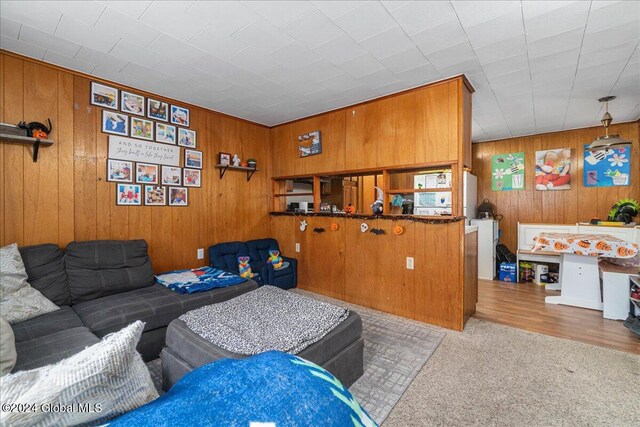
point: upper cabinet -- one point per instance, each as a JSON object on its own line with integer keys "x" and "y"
{"x": 429, "y": 124}
{"x": 286, "y": 158}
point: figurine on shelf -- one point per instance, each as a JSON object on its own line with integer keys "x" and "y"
{"x": 36, "y": 130}
{"x": 377, "y": 206}
{"x": 236, "y": 160}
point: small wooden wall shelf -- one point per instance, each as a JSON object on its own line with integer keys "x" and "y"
{"x": 37, "y": 142}
{"x": 249, "y": 171}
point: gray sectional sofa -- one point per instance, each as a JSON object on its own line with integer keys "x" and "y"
{"x": 100, "y": 287}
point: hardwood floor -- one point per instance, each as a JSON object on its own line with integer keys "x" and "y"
{"x": 522, "y": 306}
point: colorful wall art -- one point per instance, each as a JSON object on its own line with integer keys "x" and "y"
{"x": 507, "y": 172}
{"x": 553, "y": 169}
{"x": 310, "y": 143}
{"x": 607, "y": 168}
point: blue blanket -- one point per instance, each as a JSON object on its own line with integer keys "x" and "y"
{"x": 198, "y": 279}
{"x": 271, "y": 387}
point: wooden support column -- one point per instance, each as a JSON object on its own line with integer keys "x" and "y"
{"x": 316, "y": 194}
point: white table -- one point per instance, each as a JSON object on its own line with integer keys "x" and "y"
{"x": 579, "y": 274}
{"x": 580, "y": 280}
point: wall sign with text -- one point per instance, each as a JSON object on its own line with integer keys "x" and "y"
{"x": 135, "y": 150}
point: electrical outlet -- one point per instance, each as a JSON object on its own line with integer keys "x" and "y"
{"x": 409, "y": 263}
{"x": 201, "y": 253}
{"x": 297, "y": 247}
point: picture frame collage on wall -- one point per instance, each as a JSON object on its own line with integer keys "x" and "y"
{"x": 131, "y": 115}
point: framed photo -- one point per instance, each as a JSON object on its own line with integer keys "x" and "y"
{"x": 192, "y": 177}
{"x": 115, "y": 123}
{"x": 132, "y": 103}
{"x": 187, "y": 138}
{"x": 104, "y": 96}
{"x": 119, "y": 171}
{"x": 224, "y": 159}
{"x": 128, "y": 195}
{"x": 155, "y": 195}
{"x": 179, "y": 115}
{"x": 554, "y": 169}
{"x": 166, "y": 133}
{"x": 157, "y": 110}
{"x": 141, "y": 128}
{"x": 146, "y": 173}
{"x": 178, "y": 196}
{"x": 171, "y": 175}
{"x": 193, "y": 159}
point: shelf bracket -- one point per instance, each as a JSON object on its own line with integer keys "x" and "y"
{"x": 36, "y": 147}
{"x": 250, "y": 174}
{"x": 223, "y": 170}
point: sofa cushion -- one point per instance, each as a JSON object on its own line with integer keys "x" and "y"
{"x": 259, "y": 249}
{"x": 45, "y": 268}
{"x": 56, "y": 321}
{"x": 110, "y": 374}
{"x": 225, "y": 255}
{"x": 156, "y": 305}
{"x": 52, "y": 348}
{"x": 7, "y": 347}
{"x": 107, "y": 267}
{"x": 19, "y": 301}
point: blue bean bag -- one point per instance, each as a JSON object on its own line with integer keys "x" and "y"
{"x": 271, "y": 387}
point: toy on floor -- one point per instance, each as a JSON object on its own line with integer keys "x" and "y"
{"x": 275, "y": 259}
{"x": 244, "y": 268}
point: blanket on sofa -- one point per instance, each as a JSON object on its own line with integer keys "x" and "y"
{"x": 198, "y": 279}
{"x": 272, "y": 388}
{"x": 268, "y": 318}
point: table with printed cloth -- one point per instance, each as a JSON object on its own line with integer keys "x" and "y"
{"x": 579, "y": 255}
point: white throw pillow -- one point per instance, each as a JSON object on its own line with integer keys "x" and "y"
{"x": 109, "y": 377}
{"x": 7, "y": 347}
{"x": 18, "y": 300}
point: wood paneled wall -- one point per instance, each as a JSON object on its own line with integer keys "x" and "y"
{"x": 369, "y": 269}
{"x": 428, "y": 124}
{"x": 65, "y": 197}
{"x": 423, "y": 125}
{"x": 578, "y": 204}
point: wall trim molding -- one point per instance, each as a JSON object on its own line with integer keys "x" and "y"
{"x": 529, "y": 135}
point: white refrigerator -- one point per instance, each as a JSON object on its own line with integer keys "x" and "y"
{"x": 488, "y": 233}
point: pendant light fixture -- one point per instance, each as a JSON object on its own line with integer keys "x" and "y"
{"x": 607, "y": 141}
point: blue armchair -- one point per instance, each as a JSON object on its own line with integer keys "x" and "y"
{"x": 284, "y": 278}
{"x": 225, "y": 255}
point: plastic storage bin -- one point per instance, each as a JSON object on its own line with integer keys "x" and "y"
{"x": 508, "y": 272}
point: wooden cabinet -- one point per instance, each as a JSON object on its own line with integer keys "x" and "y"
{"x": 423, "y": 125}
{"x": 284, "y": 143}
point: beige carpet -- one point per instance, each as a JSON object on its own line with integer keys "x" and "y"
{"x": 496, "y": 375}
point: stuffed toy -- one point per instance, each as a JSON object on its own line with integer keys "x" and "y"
{"x": 244, "y": 268}
{"x": 275, "y": 259}
{"x": 36, "y": 130}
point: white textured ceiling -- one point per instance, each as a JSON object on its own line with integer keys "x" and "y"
{"x": 537, "y": 66}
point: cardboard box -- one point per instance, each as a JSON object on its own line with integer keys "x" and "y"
{"x": 508, "y": 272}
{"x": 541, "y": 274}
